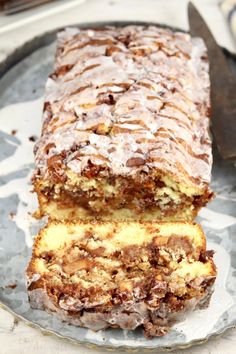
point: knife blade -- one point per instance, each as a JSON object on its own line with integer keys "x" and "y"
{"x": 223, "y": 88}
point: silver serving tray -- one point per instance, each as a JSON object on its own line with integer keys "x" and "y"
{"x": 23, "y": 75}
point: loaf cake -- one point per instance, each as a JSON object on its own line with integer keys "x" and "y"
{"x": 121, "y": 274}
{"x": 125, "y": 126}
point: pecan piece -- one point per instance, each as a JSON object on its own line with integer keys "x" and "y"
{"x": 135, "y": 161}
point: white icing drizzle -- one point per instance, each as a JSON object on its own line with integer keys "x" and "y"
{"x": 150, "y": 73}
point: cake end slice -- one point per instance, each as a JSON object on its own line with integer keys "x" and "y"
{"x": 119, "y": 274}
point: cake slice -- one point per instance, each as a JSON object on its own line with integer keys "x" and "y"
{"x": 121, "y": 274}
{"x": 125, "y": 126}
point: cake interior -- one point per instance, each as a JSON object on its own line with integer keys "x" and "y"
{"x": 149, "y": 197}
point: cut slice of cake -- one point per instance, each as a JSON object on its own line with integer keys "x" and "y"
{"x": 125, "y": 126}
{"x": 120, "y": 274}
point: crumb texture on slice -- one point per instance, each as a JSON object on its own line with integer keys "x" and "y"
{"x": 120, "y": 274}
